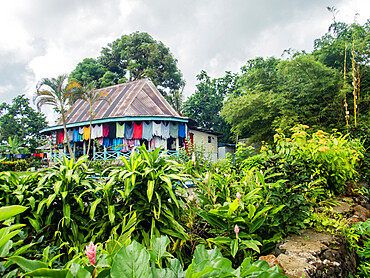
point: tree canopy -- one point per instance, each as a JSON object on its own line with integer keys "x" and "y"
{"x": 205, "y": 104}
{"x": 20, "y": 120}
{"x": 129, "y": 58}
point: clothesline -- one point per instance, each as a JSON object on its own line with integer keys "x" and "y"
{"x": 127, "y": 131}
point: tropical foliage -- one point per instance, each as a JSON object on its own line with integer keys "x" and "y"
{"x": 60, "y": 94}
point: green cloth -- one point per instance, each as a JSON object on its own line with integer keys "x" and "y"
{"x": 174, "y": 130}
{"x": 120, "y": 130}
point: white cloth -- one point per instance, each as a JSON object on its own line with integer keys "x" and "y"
{"x": 81, "y": 130}
{"x": 97, "y": 131}
{"x": 165, "y": 130}
{"x": 157, "y": 129}
{"x": 159, "y": 142}
{"x": 70, "y": 134}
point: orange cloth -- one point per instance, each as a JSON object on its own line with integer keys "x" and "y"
{"x": 86, "y": 134}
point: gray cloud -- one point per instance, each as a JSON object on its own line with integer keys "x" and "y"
{"x": 47, "y": 38}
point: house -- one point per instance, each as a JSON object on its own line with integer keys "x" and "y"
{"x": 136, "y": 114}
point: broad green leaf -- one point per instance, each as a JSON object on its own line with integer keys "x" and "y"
{"x": 131, "y": 261}
{"x": 26, "y": 264}
{"x": 251, "y": 211}
{"x": 10, "y": 211}
{"x": 111, "y": 213}
{"x": 46, "y": 272}
{"x": 150, "y": 190}
{"x": 76, "y": 271}
{"x": 234, "y": 247}
{"x": 159, "y": 247}
{"x": 233, "y": 206}
{"x": 5, "y": 235}
{"x": 93, "y": 208}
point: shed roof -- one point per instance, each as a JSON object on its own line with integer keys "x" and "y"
{"x": 131, "y": 101}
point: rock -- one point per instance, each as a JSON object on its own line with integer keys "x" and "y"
{"x": 295, "y": 266}
{"x": 315, "y": 255}
{"x": 353, "y": 220}
{"x": 342, "y": 208}
{"x": 272, "y": 261}
{"x": 362, "y": 211}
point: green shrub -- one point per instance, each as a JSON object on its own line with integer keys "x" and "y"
{"x": 330, "y": 158}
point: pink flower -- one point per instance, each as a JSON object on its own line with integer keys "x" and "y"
{"x": 91, "y": 253}
{"x": 239, "y": 196}
{"x": 207, "y": 177}
{"x": 236, "y": 230}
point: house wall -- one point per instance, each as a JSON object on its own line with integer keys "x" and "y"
{"x": 201, "y": 139}
{"x": 222, "y": 151}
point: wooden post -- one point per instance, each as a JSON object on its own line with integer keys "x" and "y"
{"x": 165, "y": 144}
{"x": 105, "y": 153}
{"x": 94, "y": 152}
{"x": 74, "y": 149}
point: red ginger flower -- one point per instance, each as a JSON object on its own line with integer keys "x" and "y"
{"x": 91, "y": 253}
{"x": 239, "y": 196}
{"x": 236, "y": 230}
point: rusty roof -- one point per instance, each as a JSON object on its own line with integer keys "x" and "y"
{"x": 138, "y": 98}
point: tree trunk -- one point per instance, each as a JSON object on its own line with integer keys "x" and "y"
{"x": 66, "y": 134}
{"x": 88, "y": 146}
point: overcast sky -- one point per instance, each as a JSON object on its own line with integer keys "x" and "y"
{"x": 45, "y": 38}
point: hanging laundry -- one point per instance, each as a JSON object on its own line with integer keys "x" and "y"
{"x": 157, "y": 129}
{"x": 105, "y": 130}
{"x": 80, "y": 137}
{"x": 99, "y": 130}
{"x": 86, "y": 134}
{"x": 117, "y": 144}
{"x": 93, "y": 132}
{"x": 174, "y": 130}
{"x": 100, "y": 140}
{"x": 70, "y": 134}
{"x": 75, "y": 135}
{"x": 125, "y": 146}
{"x": 61, "y": 137}
{"x": 159, "y": 142}
{"x": 107, "y": 142}
{"x": 182, "y": 133}
{"x": 129, "y": 131}
{"x": 137, "y": 143}
{"x": 165, "y": 130}
{"x": 81, "y": 130}
{"x": 120, "y": 130}
{"x": 131, "y": 144}
{"x": 112, "y": 130}
{"x": 54, "y": 138}
{"x": 152, "y": 144}
{"x": 138, "y": 131}
{"x": 147, "y": 131}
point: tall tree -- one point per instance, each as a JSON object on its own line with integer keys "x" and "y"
{"x": 87, "y": 71}
{"x": 91, "y": 96}
{"x": 205, "y": 104}
{"x": 19, "y": 119}
{"x": 132, "y": 57}
{"x": 60, "y": 93}
{"x": 299, "y": 90}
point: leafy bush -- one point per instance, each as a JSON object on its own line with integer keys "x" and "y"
{"x": 134, "y": 260}
{"x": 330, "y": 158}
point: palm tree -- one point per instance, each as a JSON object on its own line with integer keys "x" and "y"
{"x": 91, "y": 96}
{"x": 57, "y": 92}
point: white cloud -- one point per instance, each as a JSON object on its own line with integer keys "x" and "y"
{"x": 48, "y": 38}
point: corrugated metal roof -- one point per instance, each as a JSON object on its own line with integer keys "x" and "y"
{"x": 138, "y": 98}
